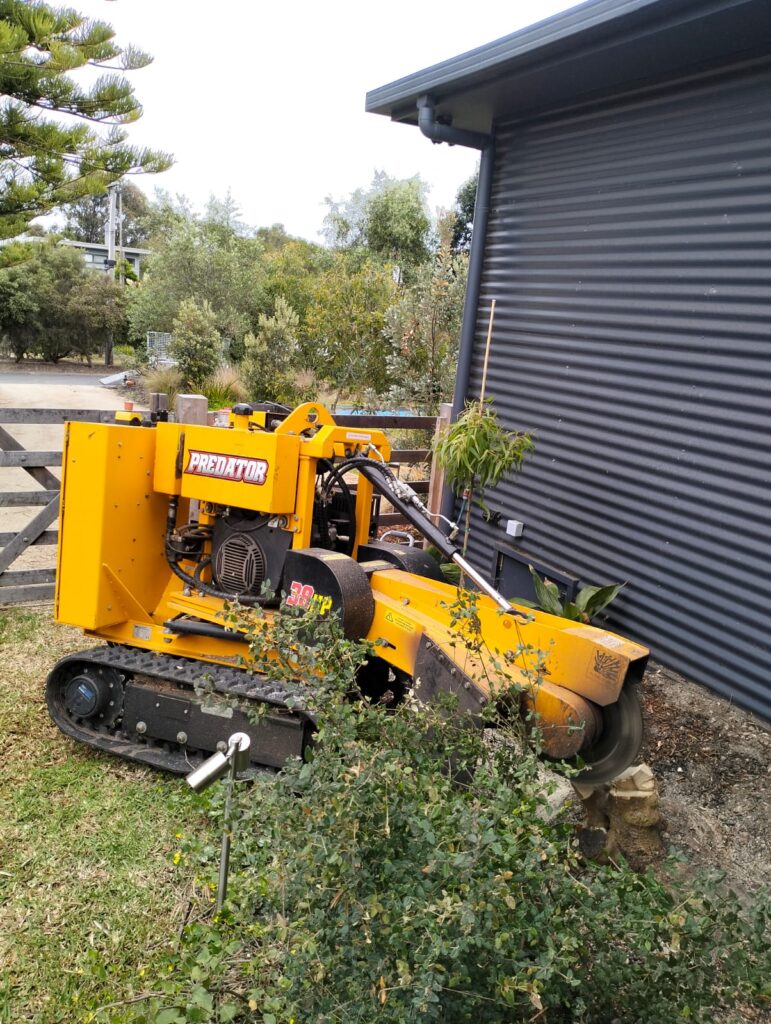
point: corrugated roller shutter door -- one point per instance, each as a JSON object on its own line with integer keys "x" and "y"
{"x": 629, "y": 251}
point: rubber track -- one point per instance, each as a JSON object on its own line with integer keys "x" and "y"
{"x": 131, "y": 661}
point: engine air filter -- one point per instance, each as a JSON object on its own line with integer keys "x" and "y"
{"x": 239, "y": 564}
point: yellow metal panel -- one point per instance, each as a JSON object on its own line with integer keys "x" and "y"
{"x": 301, "y": 522}
{"x": 246, "y": 468}
{"x": 167, "y": 455}
{"x": 589, "y": 661}
{"x": 111, "y": 559}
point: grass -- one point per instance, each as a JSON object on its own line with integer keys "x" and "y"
{"x": 90, "y": 897}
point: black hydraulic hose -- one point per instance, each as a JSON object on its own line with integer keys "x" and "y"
{"x": 403, "y": 498}
{"x": 196, "y": 627}
{"x": 336, "y": 473}
{"x": 172, "y": 558}
{"x": 397, "y": 492}
{"x": 200, "y": 567}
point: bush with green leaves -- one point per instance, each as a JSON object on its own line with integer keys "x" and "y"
{"x": 195, "y": 344}
{"x": 476, "y": 452}
{"x": 52, "y": 306}
{"x": 271, "y": 363}
{"x": 590, "y": 600}
{"x": 410, "y": 870}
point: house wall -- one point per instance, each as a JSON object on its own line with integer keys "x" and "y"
{"x": 629, "y": 251}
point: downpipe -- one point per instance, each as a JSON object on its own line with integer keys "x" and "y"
{"x": 438, "y": 132}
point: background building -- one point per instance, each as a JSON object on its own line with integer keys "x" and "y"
{"x": 623, "y": 226}
{"x": 95, "y": 255}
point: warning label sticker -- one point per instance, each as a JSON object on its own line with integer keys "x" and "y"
{"x": 400, "y": 621}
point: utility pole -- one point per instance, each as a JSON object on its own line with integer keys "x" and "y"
{"x": 109, "y": 235}
{"x": 121, "y": 254}
{"x": 113, "y": 193}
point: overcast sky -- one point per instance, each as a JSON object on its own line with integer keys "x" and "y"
{"x": 266, "y": 98}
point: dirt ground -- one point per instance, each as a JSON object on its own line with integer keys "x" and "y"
{"x": 713, "y": 765}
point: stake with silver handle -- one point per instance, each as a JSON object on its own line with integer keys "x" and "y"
{"x": 232, "y": 761}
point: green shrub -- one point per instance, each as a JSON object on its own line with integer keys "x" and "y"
{"x": 126, "y": 357}
{"x": 589, "y": 602}
{"x": 195, "y": 342}
{"x": 476, "y": 452}
{"x": 270, "y": 366}
{"x": 409, "y": 870}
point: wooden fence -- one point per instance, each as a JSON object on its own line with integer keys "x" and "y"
{"x": 22, "y": 585}
{"x": 18, "y": 586}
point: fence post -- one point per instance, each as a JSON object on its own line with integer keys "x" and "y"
{"x": 436, "y": 478}
{"x": 191, "y": 409}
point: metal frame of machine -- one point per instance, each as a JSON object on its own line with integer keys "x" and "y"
{"x": 161, "y": 526}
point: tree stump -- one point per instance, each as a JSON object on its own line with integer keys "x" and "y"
{"x": 623, "y": 817}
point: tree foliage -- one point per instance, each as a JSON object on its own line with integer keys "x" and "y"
{"x": 52, "y": 306}
{"x": 423, "y": 331}
{"x": 196, "y": 342}
{"x": 291, "y": 267}
{"x": 465, "y": 200}
{"x": 200, "y": 261}
{"x": 86, "y": 218}
{"x": 343, "y": 333}
{"x": 390, "y": 220}
{"x": 46, "y": 162}
{"x": 271, "y": 364}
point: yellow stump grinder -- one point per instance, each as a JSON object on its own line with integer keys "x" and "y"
{"x": 163, "y": 523}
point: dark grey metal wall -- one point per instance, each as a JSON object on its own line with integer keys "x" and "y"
{"x": 629, "y": 251}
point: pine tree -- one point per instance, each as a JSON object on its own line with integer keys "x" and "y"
{"x": 87, "y": 217}
{"x": 45, "y": 161}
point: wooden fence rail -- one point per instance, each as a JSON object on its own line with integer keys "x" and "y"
{"x": 21, "y": 585}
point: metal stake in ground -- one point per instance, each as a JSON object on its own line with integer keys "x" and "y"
{"x": 232, "y": 761}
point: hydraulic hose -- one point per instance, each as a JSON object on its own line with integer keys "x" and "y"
{"x": 403, "y": 498}
{"x": 336, "y": 473}
{"x": 194, "y": 582}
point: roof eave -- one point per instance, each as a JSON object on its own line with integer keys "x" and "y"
{"x": 666, "y": 36}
